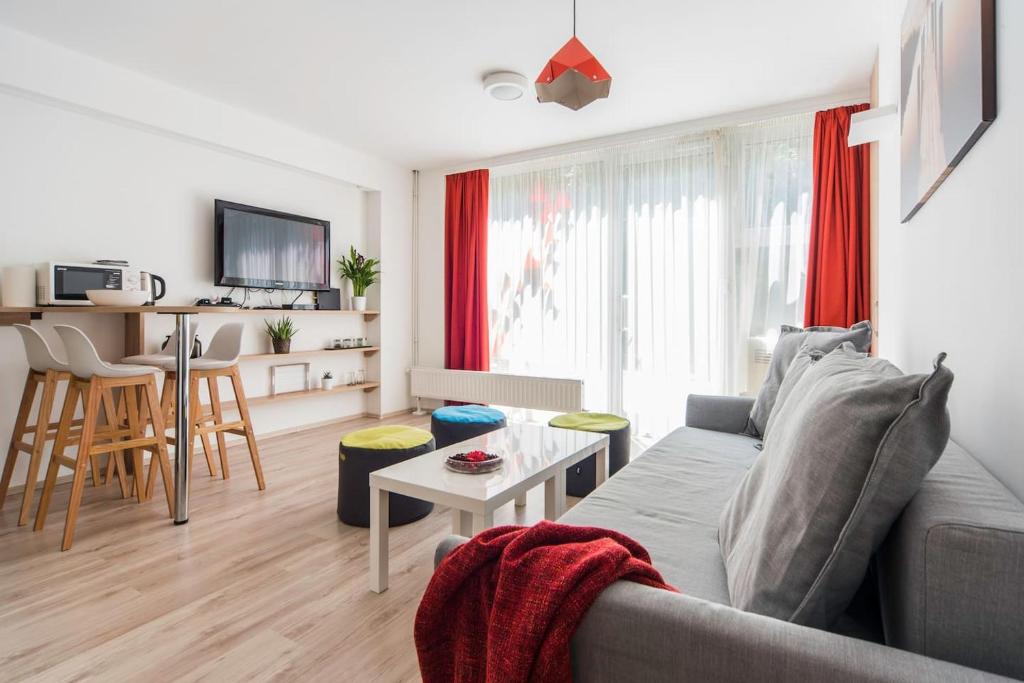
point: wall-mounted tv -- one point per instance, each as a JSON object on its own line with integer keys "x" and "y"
{"x": 267, "y": 249}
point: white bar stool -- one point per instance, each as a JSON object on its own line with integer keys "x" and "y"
{"x": 47, "y": 371}
{"x": 220, "y": 360}
{"x": 92, "y": 377}
{"x": 161, "y": 359}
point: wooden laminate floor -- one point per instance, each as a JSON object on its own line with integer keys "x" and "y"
{"x": 258, "y": 586}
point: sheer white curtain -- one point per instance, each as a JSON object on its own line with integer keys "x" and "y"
{"x": 767, "y": 168}
{"x": 651, "y": 270}
{"x": 549, "y": 272}
{"x": 673, "y": 287}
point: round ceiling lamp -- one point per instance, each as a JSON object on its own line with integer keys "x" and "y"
{"x": 573, "y": 77}
{"x": 505, "y": 85}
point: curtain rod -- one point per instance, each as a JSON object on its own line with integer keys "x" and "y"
{"x": 738, "y": 118}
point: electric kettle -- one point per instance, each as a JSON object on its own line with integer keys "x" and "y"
{"x": 147, "y": 283}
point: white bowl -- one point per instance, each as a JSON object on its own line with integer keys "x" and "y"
{"x": 116, "y": 297}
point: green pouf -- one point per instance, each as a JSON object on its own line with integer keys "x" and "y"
{"x": 581, "y": 479}
{"x": 371, "y": 449}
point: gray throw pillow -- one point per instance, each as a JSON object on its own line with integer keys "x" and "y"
{"x": 806, "y": 357}
{"x": 790, "y": 340}
{"x": 848, "y": 449}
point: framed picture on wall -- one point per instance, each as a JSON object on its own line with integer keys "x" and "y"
{"x": 947, "y": 91}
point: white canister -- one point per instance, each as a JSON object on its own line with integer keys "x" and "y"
{"x": 18, "y": 286}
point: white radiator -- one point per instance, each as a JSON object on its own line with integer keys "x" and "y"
{"x": 514, "y": 391}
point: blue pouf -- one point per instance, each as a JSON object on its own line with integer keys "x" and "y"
{"x": 453, "y": 424}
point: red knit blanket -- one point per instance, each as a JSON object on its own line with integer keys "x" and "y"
{"x": 503, "y": 606}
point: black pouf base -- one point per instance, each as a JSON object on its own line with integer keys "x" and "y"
{"x": 354, "y": 486}
{"x": 581, "y": 478}
{"x": 448, "y": 433}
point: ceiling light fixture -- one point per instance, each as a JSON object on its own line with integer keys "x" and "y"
{"x": 573, "y": 77}
{"x": 505, "y": 85}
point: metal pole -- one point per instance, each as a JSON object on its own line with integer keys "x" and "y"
{"x": 182, "y": 428}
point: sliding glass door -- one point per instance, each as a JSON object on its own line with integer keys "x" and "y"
{"x": 652, "y": 270}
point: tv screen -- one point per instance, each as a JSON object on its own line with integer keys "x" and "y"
{"x": 269, "y": 249}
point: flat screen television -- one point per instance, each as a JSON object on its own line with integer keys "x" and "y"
{"x": 267, "y": 249}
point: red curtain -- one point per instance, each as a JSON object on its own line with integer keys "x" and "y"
{"x": 466, "y": 342}
{"x": 838, "y": 266}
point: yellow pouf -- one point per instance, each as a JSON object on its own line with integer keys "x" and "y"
{"x": 387, "y": 437}
{"x": 371, "y": 449}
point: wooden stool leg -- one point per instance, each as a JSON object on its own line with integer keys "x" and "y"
{"x": 167, "y": 398}
{"x": 218, "y": 417}
{"x": 113, "y": 413}
{"x": 160, "y": 454}
{"x": 28, "y": 394}
{"x": 92, "y": 406}
{"x": 113, "y": 418}
{"x": 143, "y": 410}
{"x": 204, "y": 438}
{"x": 116, "y": 466}
{"x": 135, "y": 431}
{"x": 243, "y": 413}
{"x": 67, "y": 415}
{"x": 38, "y": 444}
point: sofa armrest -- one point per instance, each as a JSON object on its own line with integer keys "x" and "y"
{"x": 635, "y": 632}
{"x": 718, "y": 413}
{"x": 446, "y": 546}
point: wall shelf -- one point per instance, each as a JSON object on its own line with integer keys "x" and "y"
{"x": 366, "y": 350}
{"x": 289, "y": 395}
{"x": 10, "y": 315}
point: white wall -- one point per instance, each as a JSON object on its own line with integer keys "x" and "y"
{"x": 100, "y": 162}
{"x": 951, "y": 279}
{"x": 430, "y": 285}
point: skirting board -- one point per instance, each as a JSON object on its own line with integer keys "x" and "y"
{"x": 66, "y": 478}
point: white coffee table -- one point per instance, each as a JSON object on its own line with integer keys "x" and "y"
{"x": 534, "y": 454}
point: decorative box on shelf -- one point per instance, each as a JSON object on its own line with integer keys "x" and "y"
{"x": 305, "y": 365}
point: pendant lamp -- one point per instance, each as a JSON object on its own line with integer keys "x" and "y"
{"x": 573, "y": 77}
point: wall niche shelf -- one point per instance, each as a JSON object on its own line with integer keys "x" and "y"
{"x": 366, "y": 350}
{"x": 308, "y": 393}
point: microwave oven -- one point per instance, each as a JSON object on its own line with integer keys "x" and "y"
{"x": 65, "y": 284}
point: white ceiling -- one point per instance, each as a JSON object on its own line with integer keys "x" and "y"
{"x": 401, "y": 78}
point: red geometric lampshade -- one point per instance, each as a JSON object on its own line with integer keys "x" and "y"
{"x": 573, "y": 77}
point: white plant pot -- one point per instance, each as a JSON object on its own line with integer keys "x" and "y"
{"x": 359, "y": 303}
{"x": 327, "y": 384}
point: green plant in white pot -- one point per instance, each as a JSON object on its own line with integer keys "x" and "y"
{"x": 361, "y": 272}
{"x": 327, "y": 380}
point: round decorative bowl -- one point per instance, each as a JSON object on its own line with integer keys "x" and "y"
{"x": 473, "y": 462}
{"x": 116, "y": 297}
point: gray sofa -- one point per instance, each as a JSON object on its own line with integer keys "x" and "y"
{"x": 944, "y": 601}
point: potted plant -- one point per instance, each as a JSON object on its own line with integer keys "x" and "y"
{"x": 327, "y": 380}
{"x": 281, "y": 334}
{"x": 361, "y": 272}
